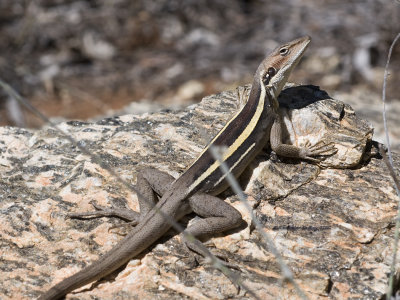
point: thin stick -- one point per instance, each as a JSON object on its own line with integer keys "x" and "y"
{"x": 390, "y": 162}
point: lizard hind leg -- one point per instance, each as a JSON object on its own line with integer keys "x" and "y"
{"x": 217, "y": 216}
{"x": 150, "y": 183}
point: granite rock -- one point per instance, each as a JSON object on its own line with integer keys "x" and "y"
{"x": 331, "y": 222}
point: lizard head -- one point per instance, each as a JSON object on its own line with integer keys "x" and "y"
{"x": 275, "y": 69}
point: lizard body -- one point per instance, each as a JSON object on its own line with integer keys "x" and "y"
{"x": 256, "y": 124}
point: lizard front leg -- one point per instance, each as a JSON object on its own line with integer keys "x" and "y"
{"x": 307, "y": 152}
{"x": 150, "y": 183}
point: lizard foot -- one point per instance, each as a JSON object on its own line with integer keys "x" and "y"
{"x": 100, "y": 211}
{"x": 128, "y": 224}
{"x": 224, "y": 266}
{"x": 192, "y": 258}
{"x": 204, "y": 257}
{"x": 319, "y": 149}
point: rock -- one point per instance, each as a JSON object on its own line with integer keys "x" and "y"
{"x": 96, "y": 48}
{"x": 189, "y": 90}
{"x": 332, "y": 223}
{"x": 369, "y": 105}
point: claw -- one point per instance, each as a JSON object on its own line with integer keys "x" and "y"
{"x": 222, "y": 260}
{"x": 97, "y": 206}
{"x": 191, "y": 248}
{"x": 319, "y": 149}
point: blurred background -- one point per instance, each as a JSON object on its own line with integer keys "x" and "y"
{"x": 76, "y": 59}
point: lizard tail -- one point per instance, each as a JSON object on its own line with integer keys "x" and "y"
{"x": 133, "y": 244}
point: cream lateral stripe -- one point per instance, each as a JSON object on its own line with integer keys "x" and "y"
{"x": 220, "y": 132}
{"x": 239, "y": 141}
{"x": 235, "y": 164}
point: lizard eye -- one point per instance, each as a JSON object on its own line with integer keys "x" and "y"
{"x": 284, "y": 51}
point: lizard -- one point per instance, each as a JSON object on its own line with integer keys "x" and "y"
{"x": 255, "y": 125}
